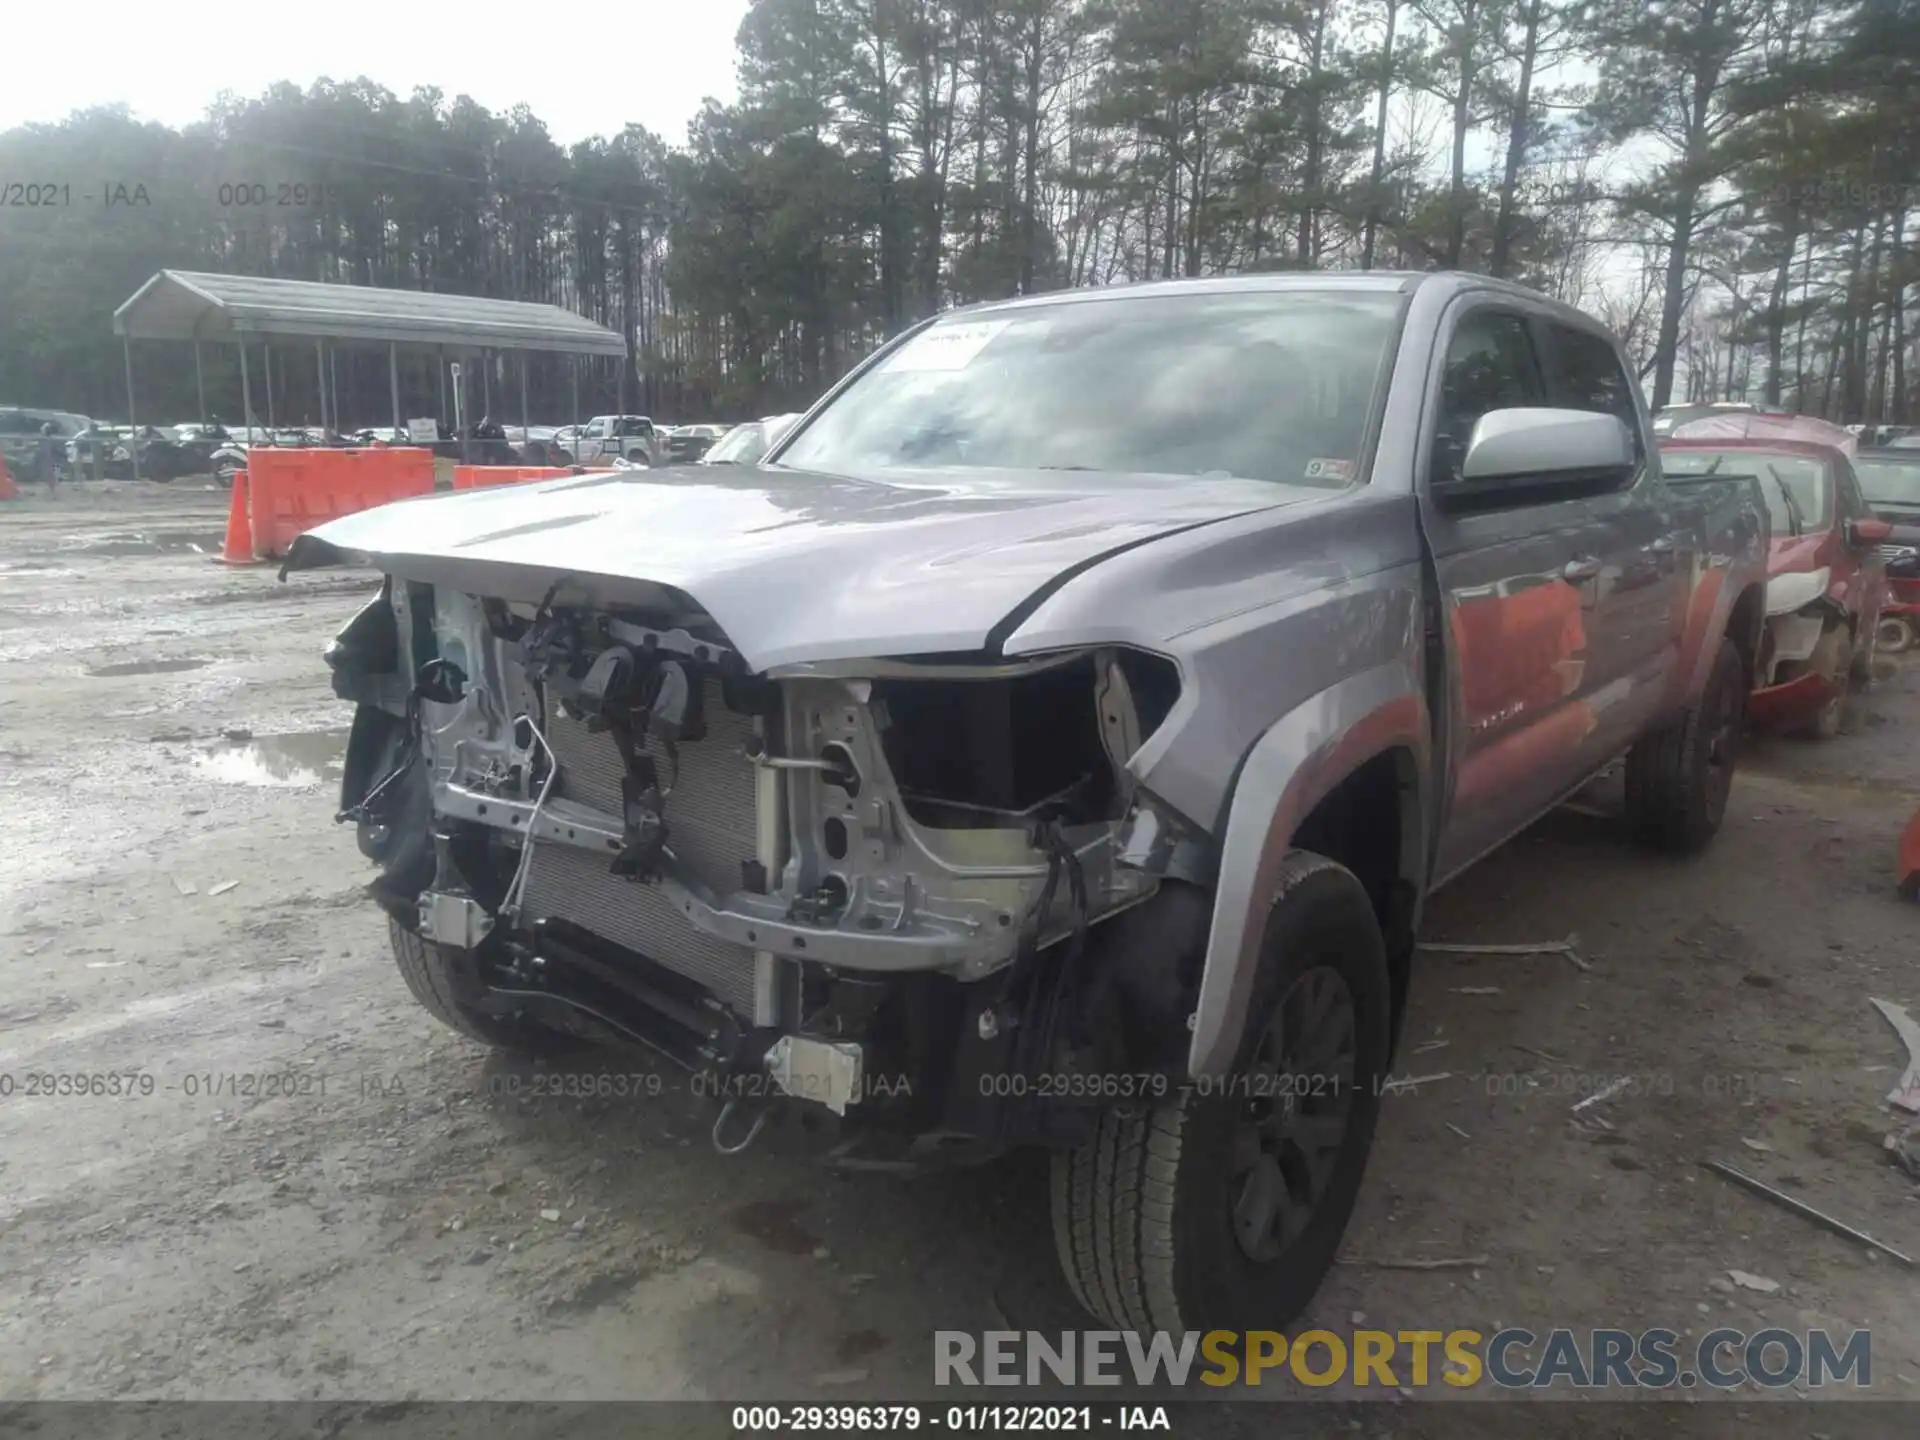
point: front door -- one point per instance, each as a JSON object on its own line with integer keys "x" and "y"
{"x": 593, "y": 441}
{"x": 1510, "y": 583}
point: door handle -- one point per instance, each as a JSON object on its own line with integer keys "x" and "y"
{"x": 1586, "y": 567}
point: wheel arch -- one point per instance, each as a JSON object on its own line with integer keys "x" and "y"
{"x": 1348, "y": 769}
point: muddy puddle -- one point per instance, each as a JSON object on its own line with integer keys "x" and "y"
{"x": 147, "y": 667}
{"x": 313, "y": 757}
{"x": 150, "y": 542}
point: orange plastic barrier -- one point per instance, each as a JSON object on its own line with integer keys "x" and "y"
{"x": 475, "y": 477}
{"x": 284, "y": 493}
{"x": 8, "y": 490}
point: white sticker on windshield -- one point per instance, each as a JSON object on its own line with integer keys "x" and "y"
{"x": 1329, "y": 469}
{"x": 947, "y": 347}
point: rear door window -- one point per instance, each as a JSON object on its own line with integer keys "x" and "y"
{"x": 1588, "y": 375}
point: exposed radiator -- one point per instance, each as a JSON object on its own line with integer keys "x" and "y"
{"x": 711, "y": 827}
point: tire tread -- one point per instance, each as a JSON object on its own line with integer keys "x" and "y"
{"x": 429, "y": 975}
{"x": 1666, "y": 809}
{"x": 1116, "y": 1195}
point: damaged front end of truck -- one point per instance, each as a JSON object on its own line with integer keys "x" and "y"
{"x": 862, "y": 885}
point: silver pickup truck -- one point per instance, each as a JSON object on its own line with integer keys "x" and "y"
{"x": 1053, "y": 741}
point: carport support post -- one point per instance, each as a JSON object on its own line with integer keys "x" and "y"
{"x": 246, "y": 395}
{"x": 266, "y": 363}
{"x": 393, "y": 385}
{"x": 133, "y": 440}
{"x": 524, "y": 423}
{"x": 333, "y": 382}
{"x": 320, "y": 379}
{"x": 200, "y": 382}
{"x": 443, "y": 384}
{"x": 576, "y": 396}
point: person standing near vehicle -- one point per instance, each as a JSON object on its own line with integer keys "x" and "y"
{"x": 46, "y": 455}
{"x": 494, "y": 449}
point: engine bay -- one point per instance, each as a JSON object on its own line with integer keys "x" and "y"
{"x": 615, "y": 796}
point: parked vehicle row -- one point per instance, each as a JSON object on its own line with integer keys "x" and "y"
{"x": 164, "y": 454}
{"x": 177, "y": 451}
{"x": 688, "y": 444}
{"x": 22, "y": 428}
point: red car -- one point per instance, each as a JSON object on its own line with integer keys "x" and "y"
{"x": 1826, "y": 575}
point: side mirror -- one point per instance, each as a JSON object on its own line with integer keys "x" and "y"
{"x": 1515, "y": 453}
{"x": 1868, "y": 532}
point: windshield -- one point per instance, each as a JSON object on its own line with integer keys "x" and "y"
{"x": 1267, "y": 385}
{"x": 1887, "y": 481}
{"x": 1799, "y": 491}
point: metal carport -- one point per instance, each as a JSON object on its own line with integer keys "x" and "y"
{"x": 196, "y": 306}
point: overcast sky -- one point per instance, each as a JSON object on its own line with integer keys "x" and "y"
{"x": 587, "y": 67}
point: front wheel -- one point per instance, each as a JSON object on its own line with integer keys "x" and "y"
{"x": 442, "y": 980}
{"x": 1225, "y": 1208}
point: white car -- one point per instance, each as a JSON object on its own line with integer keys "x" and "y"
{"x": 633, "y": 438}
{"x": 745, "y": 444}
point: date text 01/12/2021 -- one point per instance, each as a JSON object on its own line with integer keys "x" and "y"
{"x": 964, "y": 1419}
{"x": 63, "y": 195}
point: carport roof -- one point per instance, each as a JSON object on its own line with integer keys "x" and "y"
{"x": 195, "y": 305}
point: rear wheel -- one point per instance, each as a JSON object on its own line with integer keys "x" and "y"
{"x": 1678, "y": 779}
{"x": 444, "y": 981}
{"x": 1893, "y": 634}
{"x": 1225, "y": 1207}
{"x": 1861, "y": 673}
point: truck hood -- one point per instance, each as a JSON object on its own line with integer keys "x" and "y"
{"x": 792, "y": 566}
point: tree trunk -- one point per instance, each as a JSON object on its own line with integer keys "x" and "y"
{"x": 1462, "y": 123}
{"x": 1517, "y": 135}
{"x": 1379, "y": 140}
{"x": 890, "y": 287}
{"x": 1899, "y": 409}
{"x": 1673, "y": 297}
{"x": 1196, "y": 203}
{"x": 1777, "y": 308}
{"x": 1851, "y": 336}
{"x": 1309, "y": 244}
{"x": 1733, "y": 347}
{"x": 1800, "y": 330}
{"x": 1173, "y": 198}
{"x": 1030, "y": 189}
{"x": 1883, "y": 337}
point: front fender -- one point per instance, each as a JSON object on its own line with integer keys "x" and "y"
{"x": 1289, "y": 770}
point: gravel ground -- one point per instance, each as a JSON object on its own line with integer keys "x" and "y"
{"x": 325, "y": 1196}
